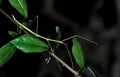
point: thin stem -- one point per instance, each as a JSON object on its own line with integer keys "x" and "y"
{"x": 37, "y": 24}
{"x": 63, "y": 63}
{"x": 3, "y": 12}
{"x": 10, "y": 18}
{"x": 69, "y": 56}
{"x": 59, "y": 65}
{"x": 37, "y": 35}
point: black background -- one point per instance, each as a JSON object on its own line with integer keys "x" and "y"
{"x": 103, "y": 58}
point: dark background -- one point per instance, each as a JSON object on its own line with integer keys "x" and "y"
{"x": 97, "y": 20}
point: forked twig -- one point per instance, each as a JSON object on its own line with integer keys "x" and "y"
{"x": 62, "y": 62}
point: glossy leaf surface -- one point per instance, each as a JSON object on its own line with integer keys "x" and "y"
{"x": 78, "y": 53}
{"x": 20, "y": 6}
{"x": 58, "y": 31}
{"x": 6, "y": 52}
{"x": 29, "y": 44}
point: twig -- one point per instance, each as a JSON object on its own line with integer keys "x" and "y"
{"x": 67, "y": 66}
{"x": 11, "y": 19}
{"x": 69, "y": 56}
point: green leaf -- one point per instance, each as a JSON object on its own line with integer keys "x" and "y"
{"x": 78, "y": 53}
{"x": 0, "y": 1}
{"x": 6, "y": 52}
{"x": 20, "y": 6}
{"x": 29, "y": 44}
{"x": 58, "y": 31}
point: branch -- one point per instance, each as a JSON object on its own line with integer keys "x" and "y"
{"x": 11, "y": 19}
{"x": 63, "y": 63}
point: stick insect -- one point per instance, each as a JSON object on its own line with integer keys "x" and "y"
{"x": 51, "y": 40}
